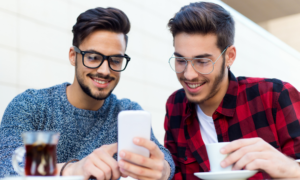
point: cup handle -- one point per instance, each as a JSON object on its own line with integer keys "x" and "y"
{"x": 16, "y": 158}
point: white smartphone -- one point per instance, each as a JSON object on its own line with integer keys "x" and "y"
{"x": 133, "y": 124}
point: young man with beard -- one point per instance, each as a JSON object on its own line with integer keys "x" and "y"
{"x": 260, "y": 117}
{"x": 85, "y": 112}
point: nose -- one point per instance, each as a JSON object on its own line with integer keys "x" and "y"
{"x": 190, "y": 73}
{"x": 104, "y": 68}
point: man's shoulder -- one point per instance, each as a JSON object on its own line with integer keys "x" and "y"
{"x": 32, "y": 101}
{"x": 262, "y": 84}
{"x": 43, "y": 94}
{"x": 177, "y": 102}
{"x": 124, "y": 103}
{"x": 40, "y": 96}
{"x": 176, "y": 107}
{"x": 177, "y": 97}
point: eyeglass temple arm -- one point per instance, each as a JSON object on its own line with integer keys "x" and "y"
{"x": 77, "y": 49}
{"x": 221, "y": 54}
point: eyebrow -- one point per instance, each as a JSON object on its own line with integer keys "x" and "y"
{"x": 93, "y": 51}
{"x": 198, "y": 56}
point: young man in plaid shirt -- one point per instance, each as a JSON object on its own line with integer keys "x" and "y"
{"x": 260, "y": 117}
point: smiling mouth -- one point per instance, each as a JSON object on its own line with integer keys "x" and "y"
{"x": 100, "y": 82}
{"x": 100, "y": 79}
{"x": 194, "y": 86}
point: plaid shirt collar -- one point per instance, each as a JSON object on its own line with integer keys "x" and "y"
{"x": 228, "y": 105}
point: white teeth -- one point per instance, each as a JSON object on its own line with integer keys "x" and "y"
{"x": 193, "y": 86}
{"x": 100, "y": 82}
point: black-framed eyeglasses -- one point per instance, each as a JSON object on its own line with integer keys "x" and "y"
{"x": 93, "y": 60}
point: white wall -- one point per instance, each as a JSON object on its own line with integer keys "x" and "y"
{"x": 35, "y": 37}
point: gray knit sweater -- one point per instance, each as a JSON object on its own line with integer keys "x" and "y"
{"x": 81, "y": 131}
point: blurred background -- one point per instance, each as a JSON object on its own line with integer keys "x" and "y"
{"x": 35, "y": 37}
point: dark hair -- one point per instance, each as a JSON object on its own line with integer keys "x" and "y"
{"x": 204, "y": 18}
{"x": 110, "y": 19}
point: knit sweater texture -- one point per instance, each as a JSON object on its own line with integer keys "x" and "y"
{"x": 81, "y": 131}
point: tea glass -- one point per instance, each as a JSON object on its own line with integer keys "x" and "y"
{"x": 40, "y": 154}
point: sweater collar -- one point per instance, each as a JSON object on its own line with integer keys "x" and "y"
{"x": 82, "y": 112}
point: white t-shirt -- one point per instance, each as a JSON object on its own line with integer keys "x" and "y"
{"x": 207, "y": 127}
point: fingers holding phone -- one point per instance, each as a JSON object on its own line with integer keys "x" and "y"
{"x": 141, "y": 167}
{"x": 138, "y": 156}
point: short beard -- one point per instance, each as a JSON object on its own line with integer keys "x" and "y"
{"x": 88, "y": 90}
{"x": 214, "y": 88}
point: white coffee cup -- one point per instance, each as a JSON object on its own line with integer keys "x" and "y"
{"x": 215, "y": 157}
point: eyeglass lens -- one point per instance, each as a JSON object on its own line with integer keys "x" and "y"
{"x": 94, "y": 60}
{"x": 202, "y": 65}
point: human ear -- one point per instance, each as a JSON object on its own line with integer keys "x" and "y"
{"x": 72, "y": 56}
{"x": 230, "y": 55}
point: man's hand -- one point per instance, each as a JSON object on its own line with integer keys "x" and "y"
{"x": 256, "y": 154}
{"x": 99, "y": 164}
{"x": 154, "y": 167}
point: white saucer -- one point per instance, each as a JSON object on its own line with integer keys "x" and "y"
{"x": 234, "y": 175}
{"x": 43, "y": 178}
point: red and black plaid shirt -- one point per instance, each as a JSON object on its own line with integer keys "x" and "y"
{"x": 252, "y": 107}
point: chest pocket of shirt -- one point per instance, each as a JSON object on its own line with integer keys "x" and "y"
{"x": 187, "y": 160}
{"x": 187, "y": 163}
{"x": 185, "y": 155}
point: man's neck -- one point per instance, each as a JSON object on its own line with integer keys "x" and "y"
{"x": 211, "y": 105}
{"x": 78, "y": 98}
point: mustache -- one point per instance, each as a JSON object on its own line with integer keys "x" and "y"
{"x": 107, "y": 77}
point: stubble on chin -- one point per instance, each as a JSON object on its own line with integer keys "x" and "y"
{"x": 194, "y": 98}
{"x": 99, "y": 95}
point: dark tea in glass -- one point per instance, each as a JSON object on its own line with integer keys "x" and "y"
{"x": 40, "y": 154}
{"x": 40, "y": 160}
